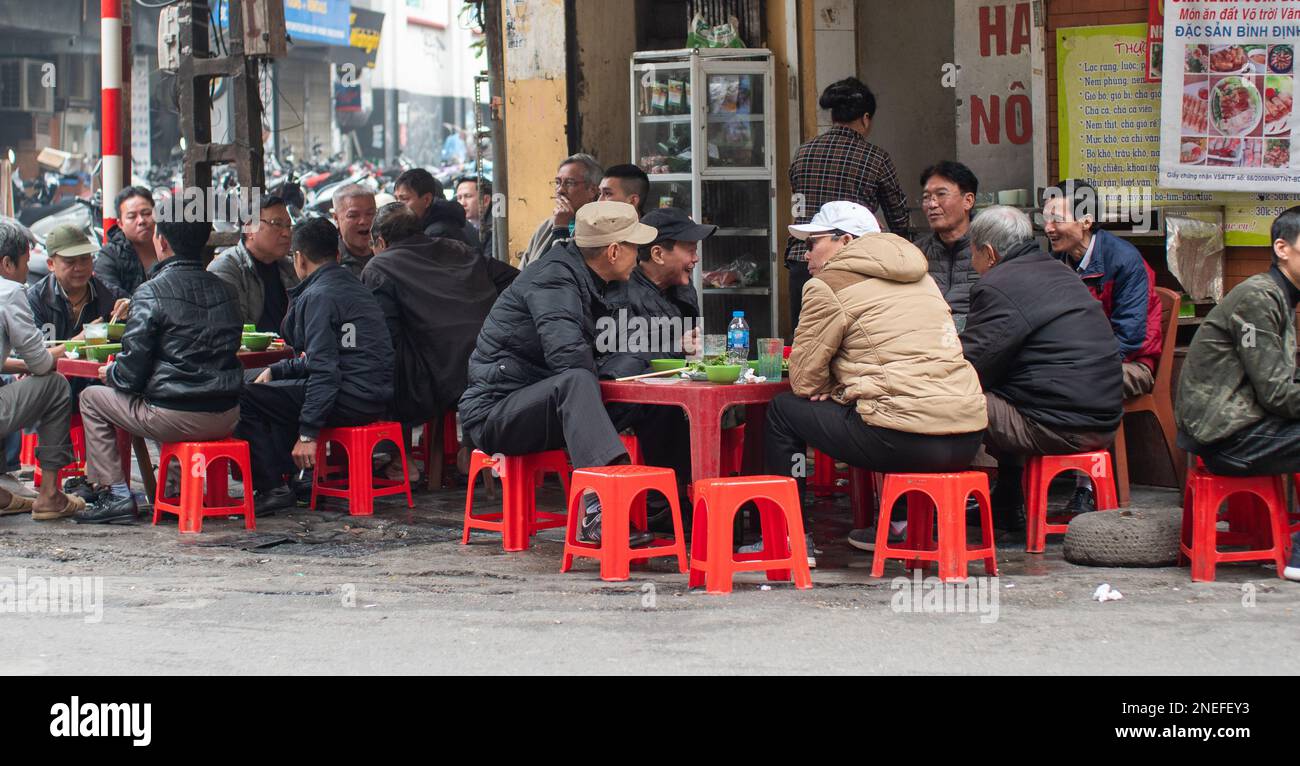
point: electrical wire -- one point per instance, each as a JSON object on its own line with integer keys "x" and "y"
{"x": 143, "y": 4}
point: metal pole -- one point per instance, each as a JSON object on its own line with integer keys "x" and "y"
{"x": 110, "y": 62}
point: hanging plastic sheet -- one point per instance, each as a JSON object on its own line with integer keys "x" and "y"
{"x": 1194, "y": 250}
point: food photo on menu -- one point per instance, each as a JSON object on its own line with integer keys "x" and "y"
{"x": 1237, "y": 106}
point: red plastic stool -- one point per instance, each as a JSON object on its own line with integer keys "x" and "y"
{"x": 77, "y": 436}
{"x": 862, "y": 496}
{"x": 733, "y": 461}
{"x": 825, "y": 481}
{"x": 713, "y": 562}
{"x": 733, "y": 450}
{"x": 1201, "y": 538}
{"x": 619, "y": 488}
{"x": 520, "y": 474}
{"x": 1039, "y": 472}
{"x": 199, "y": 461}
{"x": 361, "y": 487}
{"x": 422, "y": 452}
{"x": 943, "y": 495}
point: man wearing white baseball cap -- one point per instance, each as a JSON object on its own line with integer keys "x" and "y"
{"x": 532, "y": 377}
{"x": 877, "y": 375}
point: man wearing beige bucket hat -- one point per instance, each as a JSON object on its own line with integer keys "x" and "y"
{"x": 532, "y": 376}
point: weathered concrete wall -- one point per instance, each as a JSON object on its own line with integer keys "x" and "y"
{"x": 535, "y": 111}
{"x": 606, "y": 32}
{"x": 901, "y": 51}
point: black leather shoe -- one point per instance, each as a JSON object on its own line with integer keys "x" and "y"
{"x": 78, "y": 486}
{"x": 108, "y": 510}
{"x": 1082, "y": 502}
{"x": 267, "y": 502}
{"x": 589, "y": 532}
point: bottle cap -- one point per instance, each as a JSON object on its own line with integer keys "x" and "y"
{"x": 737, "y": 314}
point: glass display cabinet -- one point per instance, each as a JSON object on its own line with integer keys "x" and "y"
{"x": 702, "y": 130}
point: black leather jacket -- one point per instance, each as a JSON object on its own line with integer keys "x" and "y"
{"x": 181, "y": 339}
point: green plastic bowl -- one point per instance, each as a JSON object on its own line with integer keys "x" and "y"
{"x": 116, "y": 330}
{"x": 250, "y": 328}
{"x": 722, "y": 373}
{"x": 101, "y": 352}
{"x": 257, "y": 341}
{"x": 663, "y": 365}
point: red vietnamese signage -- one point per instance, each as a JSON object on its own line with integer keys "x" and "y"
{"x": 1155, "y": 39}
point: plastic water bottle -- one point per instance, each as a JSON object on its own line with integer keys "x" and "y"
{"x": 738, "y": 339}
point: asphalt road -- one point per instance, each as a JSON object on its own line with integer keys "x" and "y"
{"x": 322, "y": 592}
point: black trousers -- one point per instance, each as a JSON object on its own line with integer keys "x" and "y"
{"x": 838, "y": 430}
{"x": 268, "y": 421}
{"x": 566, "y": 412}
{"x": 1269, "y": 447}
{"x": 799, "y": 277}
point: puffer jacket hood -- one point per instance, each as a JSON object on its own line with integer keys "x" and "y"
{"x": 884, "y": 256}
{"x": 876, "y": 332}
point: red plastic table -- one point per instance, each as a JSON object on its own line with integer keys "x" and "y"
{"x": 88, "y": 368}
{"x": 704, "y": 404}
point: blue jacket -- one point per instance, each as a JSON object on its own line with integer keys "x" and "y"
{"x": 1118, "y": 276}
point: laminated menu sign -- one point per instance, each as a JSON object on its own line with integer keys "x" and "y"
{"x": 1227, "y": 117}
{"x": 1107, "y": 113}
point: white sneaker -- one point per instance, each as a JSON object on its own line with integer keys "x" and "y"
{"x": 1292, "y": 570}
{"x": 11, "y": 484}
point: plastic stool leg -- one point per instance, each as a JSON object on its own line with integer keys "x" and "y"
{"x": 699, "y": 544}
{"x": 191, "y": 516}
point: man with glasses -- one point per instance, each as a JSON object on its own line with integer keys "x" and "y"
{"x": 354, "y": 214}
{"x": 577, "y": 182}
{"x": 947, "y": 199}
{"x": 343, "y": 378}
{"x": 259, "y": 268}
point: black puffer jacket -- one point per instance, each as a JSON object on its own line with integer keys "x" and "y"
{"x": 641, "y": 337}
{"x": 1038, "y": 339}
{"x": 435, "y": 295}
{"x": 544, "y": 324}
{"x": 117, "y": 264}
{"x": 180, "y": 341}
{"x": 951, "y": 270}
{"x": 337, "y": 323}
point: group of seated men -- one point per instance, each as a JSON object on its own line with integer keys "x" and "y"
{"x": 906, "y": 356}
{"x": 378, "y": 344}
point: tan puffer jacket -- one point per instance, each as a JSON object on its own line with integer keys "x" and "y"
{"x": 875, "y": 330}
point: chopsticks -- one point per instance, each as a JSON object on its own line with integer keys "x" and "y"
{"x": 651, "y": 374}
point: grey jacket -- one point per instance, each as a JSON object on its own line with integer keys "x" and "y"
{"x": 18, "y": 330}
{"x": 950, "y": 267}
{"x": 546, "y": 237}
{"x": 235, "y": 268}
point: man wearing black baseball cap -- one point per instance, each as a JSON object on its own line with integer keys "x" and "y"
{"x": 661, "y": 321}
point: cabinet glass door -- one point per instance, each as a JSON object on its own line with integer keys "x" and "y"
{"x": 663, "y": 119}
{"x": 735, "y": 131}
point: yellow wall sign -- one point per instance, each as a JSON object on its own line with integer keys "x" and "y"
{"x": 1109, "y": 119}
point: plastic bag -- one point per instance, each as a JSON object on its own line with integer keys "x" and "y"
{"x": 1195, "y": 252}
{"x": 741, "y": 272}
{"x": 701, "y": 35}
